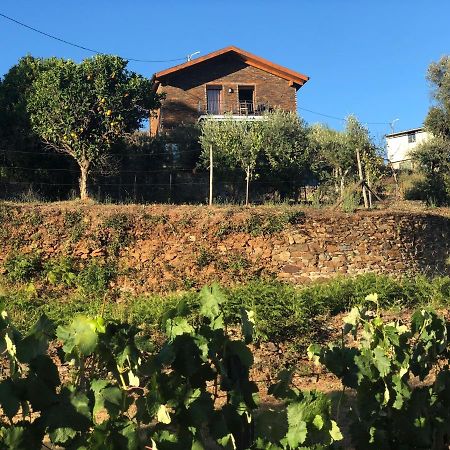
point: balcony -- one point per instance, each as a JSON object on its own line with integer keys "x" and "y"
{"x": 240, "y": 111}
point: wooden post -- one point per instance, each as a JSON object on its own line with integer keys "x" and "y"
{"x": 369, "y": 189}
{"x": 170, "y": 187}
{"x": 247, "y": 187}
{"x": 361, "y": 178}
{"x": 210, "y": 175}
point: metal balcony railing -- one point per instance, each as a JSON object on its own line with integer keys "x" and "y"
{"x": 244, "y": 108}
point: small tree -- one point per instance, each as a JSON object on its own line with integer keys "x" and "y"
{"x": 236, "y": 143}
{"x": 438, "y": 118}
{"x": 339, "y": 152}
{"x": 335, "y": 158}
{"x": 83, "y": 109}
{"x": 433, "y": 160}
{"x": 279, "y": 139}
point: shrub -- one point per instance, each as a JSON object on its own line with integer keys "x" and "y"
{"x": 204, "y": 257}
{"x": 22, "y": 267}
{"x": 61, "y": 271}
{"x": 350, "y": 201}
{"x": 94, "y": 278}
{"x": 74, "y": 221}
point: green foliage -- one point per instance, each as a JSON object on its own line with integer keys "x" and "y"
{"x": 204, "y": 257}
{"x": 264, "y": 223}
{"x": 391, "y": 412}
{"x": 118, "y": 221}
{"x": 61, "y": 271}
{"x": 336, "y": 163}
{"x": 350, "y": 201}
{"x": 84, "y": 109}
{"x": 277, "y": 142}
{"x": 433, "y": 155}
{"x": 94, "y": 278}
{"x": 174, "y": 392}
{"x": 21, "y": 267}
{"x": 115, "y": 233}
{"x": 283, "y": 312}
{"x": 433, "y": 160}
{"x": 438, "y": 118}
{"x": 74, "y": 221}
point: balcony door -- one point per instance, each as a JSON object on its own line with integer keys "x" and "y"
{"x": 246, "y": 99}
{"x": 213, "y": 99}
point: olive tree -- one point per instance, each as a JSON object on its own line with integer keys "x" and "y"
{"x": 346, "y": 154}
{"x": 83, "y": 109}
{"x": 335, "y": 158}
{"x": 433, "y": 155}
{"x": 279, "y": 137}
{"x": 235, "y": 144}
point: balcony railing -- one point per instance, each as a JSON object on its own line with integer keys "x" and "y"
{"x": 244, "y": 108}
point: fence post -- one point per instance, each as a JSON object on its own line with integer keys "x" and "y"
{"x": 210, "y": 175}
{"x": 361, "y": 178}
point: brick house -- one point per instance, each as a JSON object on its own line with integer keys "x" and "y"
{"x": 227, "y": 81}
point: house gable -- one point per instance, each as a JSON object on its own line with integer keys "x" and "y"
{"x": 296, "y": 79}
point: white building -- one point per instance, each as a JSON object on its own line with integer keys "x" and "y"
{"x": 399, "y": 146}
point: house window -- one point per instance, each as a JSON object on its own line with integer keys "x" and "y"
{"x": 213, "y": 99}
{"x": 246, "y": 100}
{"x": 174, "y": 151}
{"x": 411, "y": 138}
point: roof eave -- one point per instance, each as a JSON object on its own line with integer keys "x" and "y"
{"x": 295, "y": 78}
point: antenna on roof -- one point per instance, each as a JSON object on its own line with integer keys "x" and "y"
{"x": 392, "y": 125}
{"x": 189, "y": 57}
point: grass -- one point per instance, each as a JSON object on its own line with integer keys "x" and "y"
{"x": 283, "y": 312}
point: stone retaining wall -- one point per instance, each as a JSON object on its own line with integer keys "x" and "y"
{"x": 159, "y": 248}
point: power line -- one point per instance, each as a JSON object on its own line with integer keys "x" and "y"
{"x": 340, "y": 118}
{"x": 56, "y": 38}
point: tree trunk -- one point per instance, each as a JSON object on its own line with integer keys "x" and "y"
{"x": 361, "y": 178}
{"x": 247, "y": 185}
{"x": 84, "y": 168}
{"x": 336, "y": 177}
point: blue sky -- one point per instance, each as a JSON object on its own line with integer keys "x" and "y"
{"x": 364, "y": 57}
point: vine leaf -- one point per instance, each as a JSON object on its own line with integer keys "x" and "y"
{"x": 297, "y": 431}
{"x": 335, "y": 432}
{"x": 210, "y": 300}
{"x": 80, "y": 336}
{"x": 381, "y": 361}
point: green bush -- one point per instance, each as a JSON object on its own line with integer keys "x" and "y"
{"x": 61, "y": 271}
{"x": 94, "y": 278}
{"x": 350, "y": 201}
{"x": 21, "y": 267}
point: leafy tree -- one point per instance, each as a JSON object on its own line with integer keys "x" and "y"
{"x": 335, "y": 159}
{"x": 438, "y": 118}
{"x": 235, "y": 143}
{"x": 433, "y": 155}
{"x": 83, "y": 109}
{"x": 337, "y": 153}
{"x": 276, "y": 143}
{"x": 20, "y": 148}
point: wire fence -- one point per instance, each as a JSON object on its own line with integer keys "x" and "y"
{"x": 157, "y": 186}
